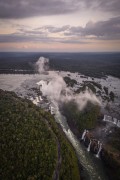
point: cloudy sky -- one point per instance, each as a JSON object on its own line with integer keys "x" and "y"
{"x": 60, "y": 25}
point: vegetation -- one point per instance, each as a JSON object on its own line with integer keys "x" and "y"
{"x": 70, "y": 82}
{"x": 111, "y": 155}
{"x": 85, "y": 119}
{"x": 68, "y": 170}
{"x": 114, "y": 139}
{"x": 90, "y": 85}
{"x": 29, "y": 142}
{"x": 98, "y": 85}
{"x": 84, "y": 87}
{"x": 90, "y": 64}
{"x": 112, "y": 96}
{"x": 81, "y": 89}
{"x": 106, "y": 90}
{"x": 93, "y": 83}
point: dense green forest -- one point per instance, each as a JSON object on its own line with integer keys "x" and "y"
{"x": 70, "y": 82}
{"x": 84, "y": 119}
{"x": 90, "y": 64}
{"x": 92, "y": 85}
{"x": 33, "y": 146}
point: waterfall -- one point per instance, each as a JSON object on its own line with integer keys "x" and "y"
{"x": 98, "y": 143}
{"x": 88, "y": 149}
{"x": 84, "y": 138}
{"x": 115, "y": 121}
{"x": 52, "y": 110}
{"x": 118, "y": 123}
{"x": 99, "y": 150}
{"x": 83, "y": 135}
{"x": 40, "y": 98}
{"x": 111, "y": 119}
{"x": 104, "y": 118}
{"x": 90, "y": 170}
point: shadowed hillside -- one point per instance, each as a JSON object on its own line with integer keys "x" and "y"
{"x": 32, "y": 144}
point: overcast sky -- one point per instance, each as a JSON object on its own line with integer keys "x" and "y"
{"x": 60, "y": 25}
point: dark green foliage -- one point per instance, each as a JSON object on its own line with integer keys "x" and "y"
{"x": 29, "y": 142}
{"x": 90, "y": 64}
{"x": 28, "y": 147}
{"x": 98, "y": 85}
{"x": 106, "y": 98}
{"x": 69, "y": 168}
{"x": 106, "y": 90}
{"x": 90, "y": 85}
{"x": 112, "y": 163}
{"x": 81, "y": 89}
{"x": 112, "y": 154}
{"x": 99, "y": 92}
{"x": 86, "y": 86}
{"x": 85, "y": 119}
{"x": 112, "y": 96}
{"x": 114, "y": 139}
{"x": 70, "y": 82}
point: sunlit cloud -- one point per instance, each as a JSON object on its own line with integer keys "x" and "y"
{"x": 78, "y": 23}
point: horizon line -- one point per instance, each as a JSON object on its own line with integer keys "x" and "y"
{"x": 59, "y": 52}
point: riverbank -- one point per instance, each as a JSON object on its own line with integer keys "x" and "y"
{"x": 109, "y": 155}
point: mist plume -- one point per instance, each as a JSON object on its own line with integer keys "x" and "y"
{"x": 42, "y": 65}
{"x": 55, "y": 88}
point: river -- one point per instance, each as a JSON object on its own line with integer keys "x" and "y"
{"x": 92, "y": 167}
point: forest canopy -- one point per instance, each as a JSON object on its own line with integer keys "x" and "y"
{"x": 32, "y": 144}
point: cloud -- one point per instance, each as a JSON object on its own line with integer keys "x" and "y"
{"x": 22, "y": 37}
{"x": 53, "y": 29}
{"x": 29, "y": 8}
{"x": 112, "y": 6}
{"x": 25, "y": 38}
{"x": 102, "y": 30}
{"x": 109, "y": 29}
{"x": 109, "y": 5}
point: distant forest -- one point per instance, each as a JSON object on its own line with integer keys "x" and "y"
{"x": 90, "y": 64}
